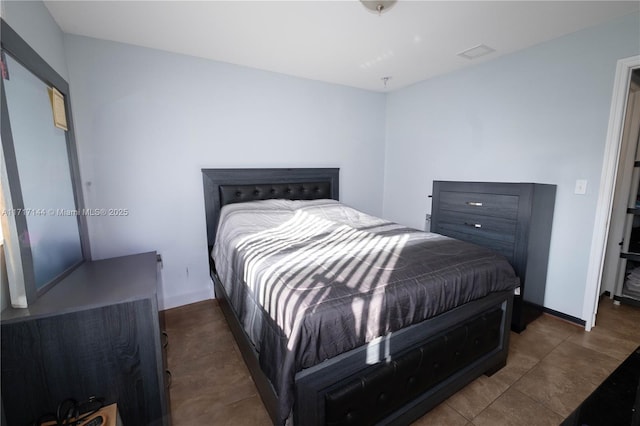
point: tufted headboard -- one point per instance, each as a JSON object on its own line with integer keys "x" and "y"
{"x": 226, "y": 186}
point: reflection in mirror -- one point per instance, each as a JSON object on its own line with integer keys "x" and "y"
{"x": 42, "y": 158}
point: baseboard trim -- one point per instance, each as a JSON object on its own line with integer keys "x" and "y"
{"x": 185, "y": 299}
{"x": 558, "y": 314}
{"x": 627, "y": 300}
{"x": 624, "y": 299}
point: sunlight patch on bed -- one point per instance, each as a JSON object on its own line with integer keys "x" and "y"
{"x": 260, "y": 246}
{"x": 328, "y": 257}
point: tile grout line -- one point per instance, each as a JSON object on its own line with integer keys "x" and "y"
{"x": 565, "y": 339}
{"x": 502, "y": 393}
{"x": 516, "y": 390}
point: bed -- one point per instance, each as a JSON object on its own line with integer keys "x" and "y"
{"x": 337, "y": 316}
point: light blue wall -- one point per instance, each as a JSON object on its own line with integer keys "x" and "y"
{"x": 32, "y": 20}
{"x": 539, "y": 115}
{"x": 147, "y": 121}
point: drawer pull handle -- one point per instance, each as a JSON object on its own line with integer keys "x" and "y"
{"x": 166, "y": 340}
{"x": 474, "y": 203}
{"x": 475, "y": 225}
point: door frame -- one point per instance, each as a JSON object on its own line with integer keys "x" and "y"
{"x": 622, "y": 80}
{"x": 624, "y": 193}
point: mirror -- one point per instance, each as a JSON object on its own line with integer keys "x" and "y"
{"x": 45, "y": 230}
{"x": 42, "y": 160}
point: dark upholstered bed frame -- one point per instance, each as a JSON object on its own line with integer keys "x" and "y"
{"x": 396, "y": 378}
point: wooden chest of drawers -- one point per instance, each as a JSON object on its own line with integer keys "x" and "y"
{"x": 98, "y": 332}
{"x": 513, "y": 219}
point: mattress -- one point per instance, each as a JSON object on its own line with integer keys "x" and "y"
{"x": 312, "y": 279}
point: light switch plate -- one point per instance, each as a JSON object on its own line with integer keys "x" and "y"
{"x": 581, "y": 187}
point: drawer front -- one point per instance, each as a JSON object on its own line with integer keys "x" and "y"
{"x": 476, "y": 203}
{"x": 495, "y": 228}
{"x": 478, "y": 237}
{"x": 495, "y": 233}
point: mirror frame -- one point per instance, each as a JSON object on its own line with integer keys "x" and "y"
{"x": 20, "y": 50}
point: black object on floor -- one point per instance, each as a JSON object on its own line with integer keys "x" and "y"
{"x": 616, "y": 402}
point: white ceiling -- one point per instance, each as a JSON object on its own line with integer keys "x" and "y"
{"x": 336, "y": 41}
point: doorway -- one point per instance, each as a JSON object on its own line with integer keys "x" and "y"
{"x": 624, "y": 70}
{"x": 622, "y": 256}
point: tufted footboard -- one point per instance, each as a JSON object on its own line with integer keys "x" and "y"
{"x": 396, "y": 379}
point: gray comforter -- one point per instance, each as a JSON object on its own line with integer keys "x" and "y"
{"x": 312, "y": 279}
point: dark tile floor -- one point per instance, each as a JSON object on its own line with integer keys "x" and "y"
{"x": 552, "y": 367}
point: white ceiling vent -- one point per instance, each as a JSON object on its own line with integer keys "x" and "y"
{"x": 476, "y": 52}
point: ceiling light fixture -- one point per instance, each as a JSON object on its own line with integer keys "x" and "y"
{"x": 378, "y": 6}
